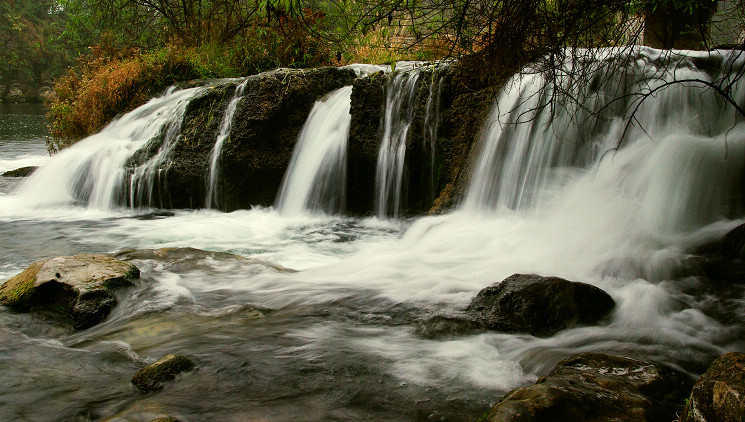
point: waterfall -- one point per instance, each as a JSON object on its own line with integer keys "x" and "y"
{"x": 223, "y": 135}
{"x": 399, "y": 112}
{"x": 679, "y": 159}
{"x": 316, "y": 177}
{"x": 93, "y": 171}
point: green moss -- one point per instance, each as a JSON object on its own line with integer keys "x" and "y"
{"x": 19, "y": 288}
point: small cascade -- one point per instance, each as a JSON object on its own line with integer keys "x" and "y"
{"x": 679, "y": 160}
{"x": 93, "y": 172}
{"x": 316, "y": 178}
{"x": 399, "y": 112}
{"x": 223, "y": 135}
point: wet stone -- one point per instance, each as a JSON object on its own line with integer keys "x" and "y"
{"x": 719, "y": 394}
{"x": 595, "y": 387}
{"x": 21, "y": 172}
{"x": 79, "y": 287}
{"x": 153, "y": 376}
{"x": 539, "y": 305}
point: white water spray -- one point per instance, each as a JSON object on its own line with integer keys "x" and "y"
{"x": 399, "y": 111}
{"x": 316, "y": 177}
{"x": 679, "y": 160}
{"x": 223, "y": 135}
{"x": 92, "y": 172}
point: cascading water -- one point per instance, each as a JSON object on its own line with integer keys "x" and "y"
{"x": 92, "y": 172}
{"x": 316, "y": 177}
{"x": 222, "y": 136}
{"x": 680, "y": 155}
{"x": 399, "y": 111}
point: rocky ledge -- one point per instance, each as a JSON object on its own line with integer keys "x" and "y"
{"x": 595, "y": 387}
{"x": 719, "y": 395}
{"x": 79, "y": 287}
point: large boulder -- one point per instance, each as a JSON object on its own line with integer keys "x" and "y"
{"x": 152, "y": 377}
{"x": 79, "y": 287}
{"x": 719, "y": 394}
{"x": 15, "y": 93}
{"x": 595, "y": 387}
{"x": 265, "y": 127}
{"x": 539, "y": 305}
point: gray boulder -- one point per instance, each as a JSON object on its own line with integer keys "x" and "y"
{"x": 79, "y": 287}
{"x": 539, "y": 305}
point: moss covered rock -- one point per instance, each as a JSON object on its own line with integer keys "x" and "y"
{"x": 719, "y": 394}
{"x": 152, "y": 377}
{"x": 78, "y": 287}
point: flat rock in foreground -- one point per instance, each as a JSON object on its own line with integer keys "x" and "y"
{"x": 80, "y": 287}
{"x": 595, "y": 387}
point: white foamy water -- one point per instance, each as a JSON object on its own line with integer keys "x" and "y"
{"x": 223, "y": 134}
{"x": 316, "y": 177}
{"x": 92, "y": 172}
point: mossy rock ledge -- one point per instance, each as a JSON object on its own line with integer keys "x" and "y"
{"x": 596, "y": 387}
{"x": 719, "y": 395}
{"x": 79, "y": 287}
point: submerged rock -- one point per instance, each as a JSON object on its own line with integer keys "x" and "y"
{"x": 539, "y": 305}
{"x": 723, "y": 261}
{"x": 143, "y": 411}
{"x": 152, "y": 377}
{"x": 21, "y": 172}
{"x": 184, "y": 259}
{"x": 595, "y": 387}
{"x": 719, "y": 394}
{"x": 79, "y": 287}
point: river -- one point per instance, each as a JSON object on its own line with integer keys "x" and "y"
{"x": 323, "y": 322}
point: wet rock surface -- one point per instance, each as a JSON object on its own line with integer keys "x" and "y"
{"x": 184, "y": 259}
{"x": 21, "y": 172}
{"x": 723, "y": 261}
{"x": 719, "y": 394}
{"x": 79, "y": 287}
{"x": 265, "y": 127}
{"x": 153, "y": 376}
{"x": 539, "y": 305}
{"x": 595, "y": 387}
